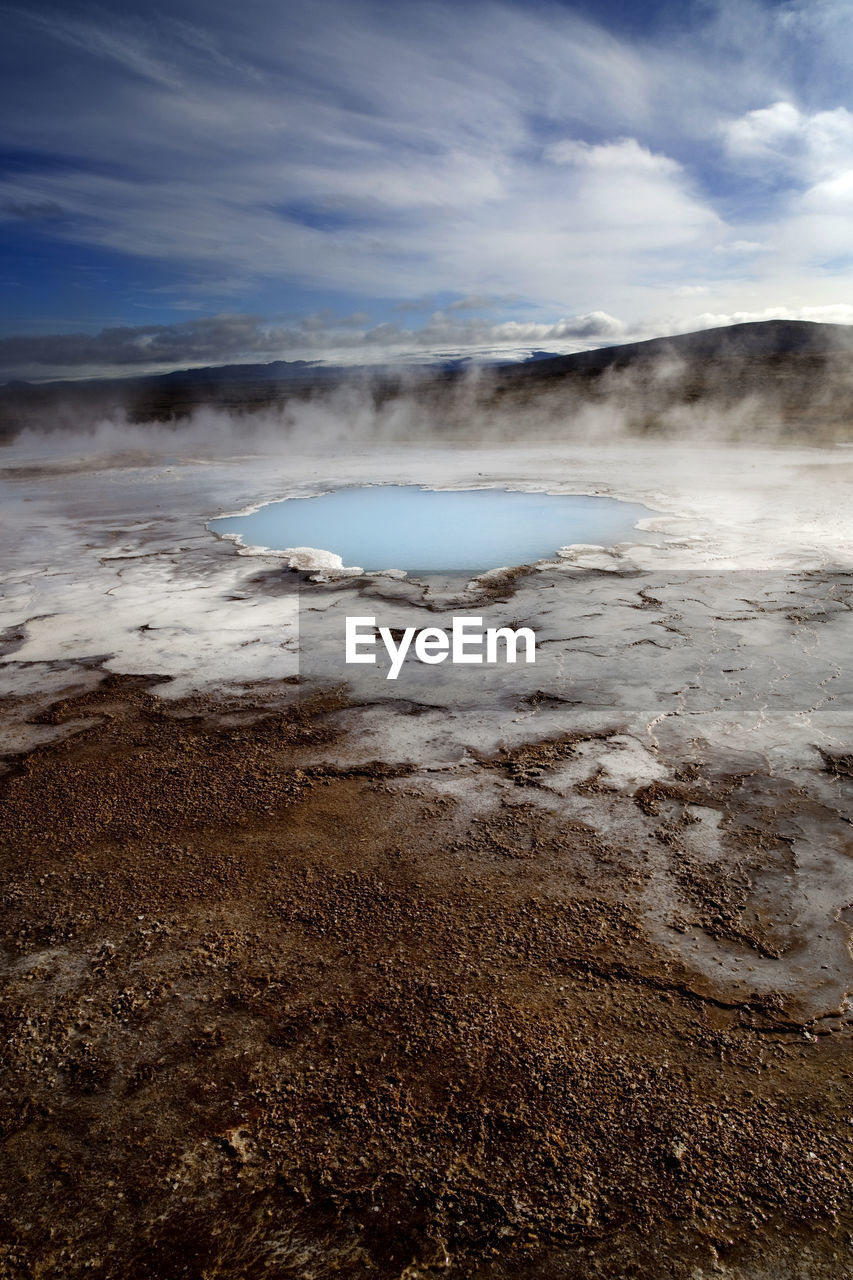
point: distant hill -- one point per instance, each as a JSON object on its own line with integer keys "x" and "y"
{"x": 276, "y": 371}
{"x": 756, "y": 340}
{"x": 789, "y": 380}
{"x": 791, "y": 377}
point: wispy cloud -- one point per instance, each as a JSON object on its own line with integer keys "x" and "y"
{"x": 31, "y": 210}
{"x": 511, "y": 159}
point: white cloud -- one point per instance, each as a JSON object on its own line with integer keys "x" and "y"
{"x": 764, "y": 132}
{"x": 624, "y": 156}
{"x": 810, "y": 148}
{"x": 805, "y": 161}
{"x": 742, "y": 247}
{"x": 834, "y": 313}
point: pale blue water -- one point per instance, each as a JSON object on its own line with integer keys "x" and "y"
{"x": 403, "y": 527}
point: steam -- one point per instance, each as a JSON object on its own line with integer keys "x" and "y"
{"x": 668, "y": 398}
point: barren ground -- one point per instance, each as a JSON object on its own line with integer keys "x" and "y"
{"x": 545, "y": 978}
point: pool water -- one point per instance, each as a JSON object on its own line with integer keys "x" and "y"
{"x": 405, "y": 527}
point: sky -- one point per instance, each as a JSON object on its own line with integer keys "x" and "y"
{"x": 356, "y": 181}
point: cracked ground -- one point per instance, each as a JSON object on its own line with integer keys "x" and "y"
{"x": 533, "y": 976}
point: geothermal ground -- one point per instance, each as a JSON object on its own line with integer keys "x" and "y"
{"x": 528, "y": 972}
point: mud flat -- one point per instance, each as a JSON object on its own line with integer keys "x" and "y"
{"x": 543, "y": 975}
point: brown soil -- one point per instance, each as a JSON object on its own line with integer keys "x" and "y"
{"x": 269, "y": 1017}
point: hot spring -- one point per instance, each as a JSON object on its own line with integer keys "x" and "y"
{"x": 428, "y": 530}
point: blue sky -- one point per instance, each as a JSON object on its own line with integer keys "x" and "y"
{"x": 361, "y": 180}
